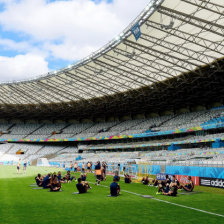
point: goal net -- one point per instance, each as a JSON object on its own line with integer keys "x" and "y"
{"x": 42, "y": 162}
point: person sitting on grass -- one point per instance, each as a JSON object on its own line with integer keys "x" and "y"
{"x": 189, "y": 186}
{"x": 154, "y": 182}
{"x": 172, "y": 190}
{"x": 39, "y": 180}
{"x": 116, "y": 176}
{"x": 60, "y": 179}
{"x": 114, "y": 188}
{"x": 167, "y": 181}
{"x": 164, "y": 185}
{"x": 174, "y": 180}
{"x": 82, "y": 186}
{"x": 68, "y": 177}
{"x": 83, "y": 177}
{"x": 46, "y": 181}
{"x": 55, "y": 185}
{"x": 127, "y": 179}
{"x": 145, "y": 180}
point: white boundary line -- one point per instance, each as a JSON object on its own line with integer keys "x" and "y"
{"x": 156, "y": 199}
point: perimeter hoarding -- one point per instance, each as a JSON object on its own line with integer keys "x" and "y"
{"x": 211, "y": 182}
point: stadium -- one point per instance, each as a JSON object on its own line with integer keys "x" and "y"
{"x": 150, "y": 103}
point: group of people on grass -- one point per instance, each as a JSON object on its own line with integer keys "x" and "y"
{"x": 76, "y": 167}
{"x": 166, "y": 187}
{"x": 169, "y": 186}
{"x": 53, "y": 181}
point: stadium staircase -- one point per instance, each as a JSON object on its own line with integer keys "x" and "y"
{"x": 40, "y": 149}
{"x": 61, "y": 131}
{"x": 169, "y": 119}
{"x": 11, "y": 127}
{"x": 130, "y": 128}
{"x": 9, "y": 149}
{"x": 34, "y": 130}
{"x": 82, "y": 131}
{"x": 62, "y": 149}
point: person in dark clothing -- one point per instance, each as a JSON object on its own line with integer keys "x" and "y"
{"x": 127, "y": 179}
{"x": 82, "y": 186}
{"x": 163, "y": 185}
{"x": 114, "y": 188}
{"x": 59, "y": 176}
{"x": 39, "y": 180}
{"x": 167, "y": 181}
{"x": 116, "y": 176}
{"x": 55, "y": 185}
{"x": 145, "y": 180}
{"x": 174, "y": 180}
{"x": 104, "y": 170}
{"x": 83, "y": 177}
{"x": 46, "y": 181}
{"x": 172, "y": 190}
{"x": 68, "y": 177}
{"x": 155, "y": 182}
{"x": 189, "y": 186}
{"x": 98, "y": 172}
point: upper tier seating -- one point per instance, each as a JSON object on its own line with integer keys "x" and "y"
{"x": 129, "y": 127}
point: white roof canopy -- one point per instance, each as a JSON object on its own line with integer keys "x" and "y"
{"x": 177, "y": 37}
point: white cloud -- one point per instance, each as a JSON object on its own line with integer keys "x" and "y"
{"x": 68, "y": 30}
{"x": 22, "y": 66}
{"x": 8, "y": 44}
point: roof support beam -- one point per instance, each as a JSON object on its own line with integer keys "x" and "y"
{"x": 195, "y": 21}
{"x": 207, "y": 44}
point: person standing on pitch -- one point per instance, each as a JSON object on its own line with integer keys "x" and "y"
{"x": 75, "y": 167}
{"x": 83, "y": 167}
{"x": 24, "y": 166}
{"x": 18, "y": 166}
{"x": 71, "y": 166}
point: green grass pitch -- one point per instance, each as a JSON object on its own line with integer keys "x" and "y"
{"x": 19, "y": 203}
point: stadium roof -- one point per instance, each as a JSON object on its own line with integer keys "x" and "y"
{"x": 177, "y": 37}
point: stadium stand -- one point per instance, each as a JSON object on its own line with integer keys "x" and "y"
{"x": 65, "y": 130}
{"x": 151, "y": 93}
{"x": 63, "y": 153}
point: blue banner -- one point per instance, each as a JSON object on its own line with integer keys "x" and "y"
{"x": 136, "y": 31}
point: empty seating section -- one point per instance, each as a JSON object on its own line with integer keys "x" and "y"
{"x": 46, "y": 130}
{"x": 31, "y": 151}
{"x": 79, "y": 130}
{"x": 4, "y": 148}
{"x": 73, "y": 129}
{"x": 4, "y": 127}
{"x": 194, "y": 156}
{"x": 69, "y": 149}
{"x": 188, "y": 120}
{"x": 83, "y": 130}
{"x": 214, "y": 121}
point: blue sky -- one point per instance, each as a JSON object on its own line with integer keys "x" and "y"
{"x": 37, "y": 36}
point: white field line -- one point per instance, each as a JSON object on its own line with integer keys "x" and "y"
{"x": 168, "y": 202}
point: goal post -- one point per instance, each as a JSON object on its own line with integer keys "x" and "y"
{"x": 42, "y": 162}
